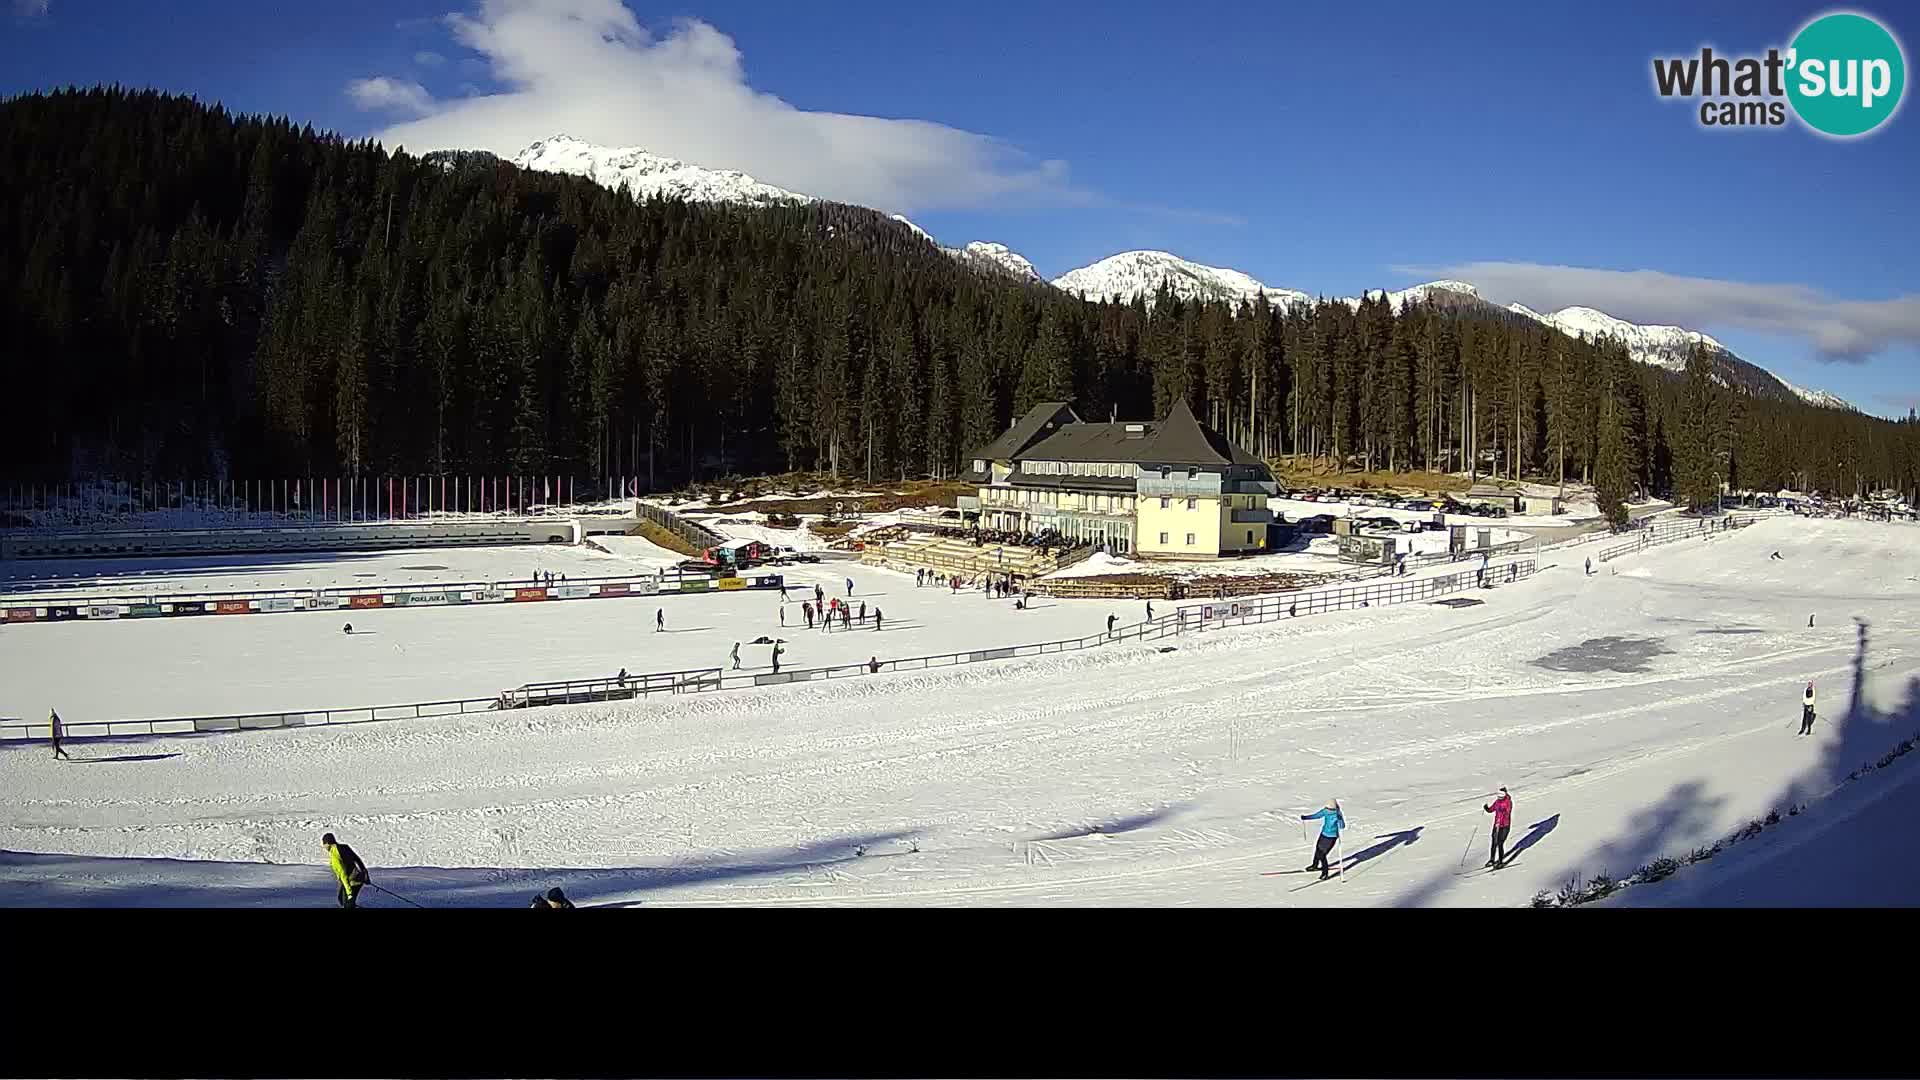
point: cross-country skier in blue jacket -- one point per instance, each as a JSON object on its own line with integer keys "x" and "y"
{"x": 1331, "y": 822}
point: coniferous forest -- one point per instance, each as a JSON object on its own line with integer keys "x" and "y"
{"x": 192, "y": 293}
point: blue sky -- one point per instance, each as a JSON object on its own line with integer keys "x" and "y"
{"x": 1323, "y": 147}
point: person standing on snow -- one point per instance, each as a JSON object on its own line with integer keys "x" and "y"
{"x": 1806, "y": 711}
{"x": 659, "y": 619}
{"x": 1502, "y": 811}
{"x": 1110, "y": 619}
{"x": 736, "y": 656}
{"x": 1331, "y": 822}
{"x": 807, "y": 610}
{"x": 849, "y": 586}
{"x": 863, "y": 612}
{"x": 553, "y": 899}
{"x": 347, "y": 869}
{"x": 876, "y": 619}
{"x": 1149, "y": 609}
{"x": 1589, "y": 566}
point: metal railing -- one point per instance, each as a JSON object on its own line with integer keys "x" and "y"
{"x": 691, "y": 531}
{"x": 1191, "y": 618}
{"x": 1670, "y": 533}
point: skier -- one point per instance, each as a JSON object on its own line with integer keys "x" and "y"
{"x": 1149, "y": 609}
{"x": 863, "y": 612}
{"x": 954, "y": 582}
{"x": 621, "y": 678}
{"x": 846, "y": 617}
{"x": 736, "y": 656}
{"x": 1110, "y": 619}
{"x": 807, "y": 609}
{"x": 1502, "y": 811}
{"x": 554, "y": 898}
{"x": 1331, "y": 822}
{"x": 783, "y": 615}
{"x": 776, "y": 658}
{"x": 1589, "y": 566}
{"x": 1293, "y": 609}
{"x": 347, "y": 869}
{"x": 347, "y": 629}
{"x": 1809, "y": 620}
{"x": 1806, "y": 711}
{"x": 783, "y": 592}
{"x": 659, "y": 619}
{"x": 873, "y": 665}
{"x": 819, "y": 595}
{"x": 1775, "y": 555}
{"x": 849, "y": 586}
{"x": 53, "y": 726}
{"x": 876, "y": 618}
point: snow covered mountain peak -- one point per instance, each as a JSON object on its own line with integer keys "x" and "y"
{"x": 998, "y": 255}
{"x": 1661, "y": 346}
{"x": 648, "y": 174}
{"x": 1141, "y": 273}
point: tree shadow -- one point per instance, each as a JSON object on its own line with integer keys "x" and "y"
{"x": 1112, "y": 826}
{"x": 1687, "y": 817}
{"x": 30, "y": 880}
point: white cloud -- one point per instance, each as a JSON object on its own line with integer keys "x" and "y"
{"x": 31, "y": 9}
{"x": 1840, "y": 330}
{"x": 385, "y": 93}
{"x": 428, "y": 58}
{"x": 589, "y": 69}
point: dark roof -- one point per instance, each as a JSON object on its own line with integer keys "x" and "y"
{"x": 1042, "y": 418}
{"x": 1181, "y": 440}
{"x": 1051, "y": 432}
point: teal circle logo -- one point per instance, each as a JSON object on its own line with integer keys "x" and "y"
{"x": 1845, "y": 74}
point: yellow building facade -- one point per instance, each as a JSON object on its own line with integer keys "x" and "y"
{"x": 1170, "y": 489}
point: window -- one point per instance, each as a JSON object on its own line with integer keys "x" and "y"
{"x": 1163, "y": 538}
{"x": 1189, "y": 539}
{"x": 1165, "y": 502}
{"x": 1249, "y": 536}
{"x": 1191, "y": 503}
{"x": 1166, "y": 472}
{"x": 1193, "y": 474}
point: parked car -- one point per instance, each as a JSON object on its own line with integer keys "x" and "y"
{"x": 784, "y": 555}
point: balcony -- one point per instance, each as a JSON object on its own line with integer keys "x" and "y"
{"x": 968, "y": 503}
{"x": 1253, "y": 517}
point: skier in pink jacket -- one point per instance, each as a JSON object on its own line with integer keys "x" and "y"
{"x": 1502, "y": 811}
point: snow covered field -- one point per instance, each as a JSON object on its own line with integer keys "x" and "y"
{"x": 1633, "y": 713}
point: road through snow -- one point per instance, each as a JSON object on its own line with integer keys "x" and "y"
{"x": 1636, "y": 711}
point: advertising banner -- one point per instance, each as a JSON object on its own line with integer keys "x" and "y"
{"x": 364, "y": 601}
{"x": 421, "y": 599}
{"x": 729, "y": 584}
{"x": 489, "y": 596}
{"x": 617, "y": 588}
{"x": 646, "y": 588}
{"x": 697, "y": 585}
{"x": 144, "y": 611}
{"x": 233, "y": 607}
{"x": 278, "y": 603}
{"x": 20, "y": 614}
{"x": 572, "y": 592}
{"x": 529, "y": 594}
{"x": 103, "y": 613}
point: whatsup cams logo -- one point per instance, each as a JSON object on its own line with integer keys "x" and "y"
{"x": 1843, "y": 76}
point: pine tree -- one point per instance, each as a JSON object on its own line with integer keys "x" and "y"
{"x": 1611, "y": 475}
{"x": 1696, "y": 462}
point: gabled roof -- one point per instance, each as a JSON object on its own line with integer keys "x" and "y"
{"x": 1041, "y": 420}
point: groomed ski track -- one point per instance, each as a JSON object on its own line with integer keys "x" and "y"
{"x": 1636, "y": 712}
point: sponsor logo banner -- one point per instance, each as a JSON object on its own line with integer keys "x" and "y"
{"x": 364, "y": 601}
{"x": 103, "y": 613}
{"x": 144, "y": 611}
{"x": 529, "y": 594}
{"x": 646, "y": 588}
{"x": 615, "y": 589}
{"x": 489, "y": 596}
{"x": 233, "y": 607}
{"x": 283, "y": 603}
{"x": 20, "y": 614}
{"x": 419, "y": 599}
{"x": 572, "y": 592}
{"x": 694, "y": 586}
{"x": 729, "y": 584}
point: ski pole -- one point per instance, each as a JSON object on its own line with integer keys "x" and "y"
{"x": 393, "y": 894}
{"x": 1464, "y": 852}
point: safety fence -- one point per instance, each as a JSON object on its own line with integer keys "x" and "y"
{"x": 1670, "y": 533}
{"x": 618, "y": 687}
{"x": 121, "y": 605}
